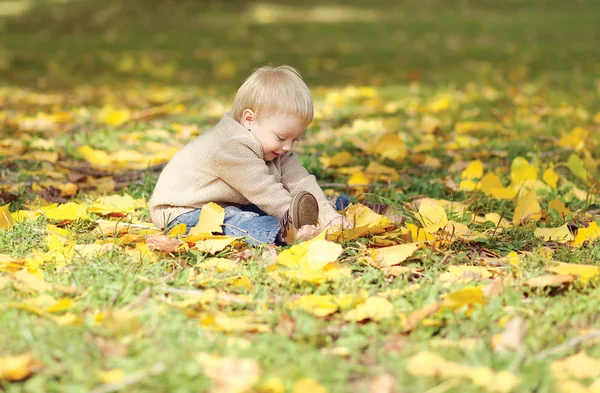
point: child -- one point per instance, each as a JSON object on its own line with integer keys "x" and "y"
{"x": 246, "y": 165}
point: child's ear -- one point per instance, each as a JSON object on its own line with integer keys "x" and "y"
{"x": 247, "y": 118}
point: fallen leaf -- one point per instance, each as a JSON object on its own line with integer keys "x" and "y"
{"x": 513, "y": 335}
{"x": 6, "y": 219}
{"x": 580, "y": 366}
{"x": 211, "y": 220}
{"x": 588, "y": 234}
{"x": 432, "y": 216}
{"x": 163, "y": 243}
{"x": 16, "y": 367}
{"x": 431, "y": 365}
{"x": 229, "y": 375}
{"x": 394, "y": 255}
{"x": 562, "y": 234}
{"x": 111, "y": 376}
{"x": 550, "y": 280}
{"x": 528, "y": 208}
{"x": 374, "y": 308}
{"x": 113, "y": 205}
{"x": 384, "y": 383}
{"x": 308, "y": 385}
{"x": 584, "y": 272}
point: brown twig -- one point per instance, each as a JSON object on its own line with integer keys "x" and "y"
{"x": 569, "y": 344}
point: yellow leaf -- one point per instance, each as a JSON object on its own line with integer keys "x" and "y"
{"x": 374, "y": 308}
{"x": 468, "y": 185}
{"x": 522, "y": 171}
{"x": 323, "y": 305}
{"x": 550, "y": 177}
{"x": 15, "y": 368}
{"x": 562, "y": 234}
{"x": 340, "y": 159}
{"x": 584, "y": 272}
{"x": 113, "y": 205}
{"x": 579, "y": 366}
{"x": 70, "y": 211}
{"x": 467, "y": 297}
{"x": 111, "y": 376}
{"x": 6, "y": 219}
{"x": 308, "y": 385}
{"x": 210, "y": 243}
{"x": 119, "y": 322}
{"x": 473, "y": 171}
{"x": 112, "y": 116}
{"x": 221, "y": 322}
{"x": 60, "y": 305}
{"x": 576, "y": 139}
{"x": 391, "y": 146}
{"x": 394, "y": 255}
{"x": 357, "y": 179}
{"x": 432, "y": 216}
{"x": 211, "y": 220}
{"x": 549, "y": 280}
{"x": 365, "y": 221}
{"x": 577, "y": 167}
{"x": 498, "y": 220}
{"x": 272, "y": 385}
{"x": 381, "y": 172}
{"x": 419, "y": 234}
{"x": 588, "y": 234}
{"x": 464, "y": 270}
{"x": 528, "y": 208}
{"x": 240, "y": 282}
{"x": 29, "y": 283}
{"x": 219, "y": 264}
{"x": 560, "y": 207}
{"x": 98, "y": 158}
{"x": 514, "y": 259}
{"x": 491, "y": 185}
{"x": 311, "y": 255}
{"x": 431, "y": 365}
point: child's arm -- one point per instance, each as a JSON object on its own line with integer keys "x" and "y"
{"x": 247, "y": 173}
{"x": 296, "y": 178}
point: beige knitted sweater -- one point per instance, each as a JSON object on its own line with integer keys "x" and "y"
{"x": 225, "y": 165}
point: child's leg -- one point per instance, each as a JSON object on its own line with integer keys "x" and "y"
{"x": 190, "y": 219}
{"x": 258, "y": 229}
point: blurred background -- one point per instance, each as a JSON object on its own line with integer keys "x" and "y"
{"x": 47, "y": 44}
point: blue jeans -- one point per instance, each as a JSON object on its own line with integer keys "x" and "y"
{"x": 246, "y": 221}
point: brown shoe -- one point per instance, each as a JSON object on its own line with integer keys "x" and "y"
{"x": 304, "y": 210}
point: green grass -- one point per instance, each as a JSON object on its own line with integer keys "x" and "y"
{"x": 539, "y": 57}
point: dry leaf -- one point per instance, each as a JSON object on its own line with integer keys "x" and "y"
{"x": 513, "y": 335}
{"x": 229, "y": 375}
{"x": 550, "y": 280}
{"x": 15, "y": 368}
{"x": 384, "y": 383}
{"x": 163, "y": 243}
{"x": 561, "y": 234}
{"x": 374, "y": 308}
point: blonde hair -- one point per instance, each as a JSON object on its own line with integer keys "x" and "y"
{"x": 274, "y": 90}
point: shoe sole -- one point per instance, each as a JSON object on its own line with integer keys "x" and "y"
{"x": 304, "y": 210}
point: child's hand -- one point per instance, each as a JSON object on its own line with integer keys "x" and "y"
{"x": 340, "y": 220}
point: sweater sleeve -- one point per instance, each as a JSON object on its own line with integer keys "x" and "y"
{"x": 243, "y": 170}
{"x": 295, "y": 178}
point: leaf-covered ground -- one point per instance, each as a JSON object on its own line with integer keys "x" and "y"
{"x": 479, "y": 122}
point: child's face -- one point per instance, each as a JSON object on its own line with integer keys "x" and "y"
{"x": 276, "y": 133}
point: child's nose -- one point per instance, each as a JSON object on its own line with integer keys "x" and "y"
{"x": 288, "y": 146}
